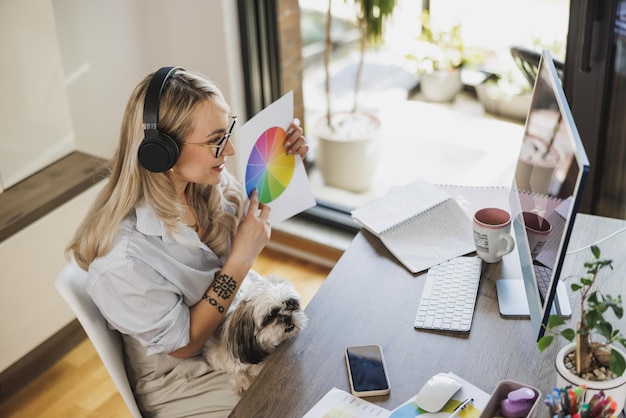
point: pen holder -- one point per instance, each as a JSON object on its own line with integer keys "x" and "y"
{"x": 500, "y": 394}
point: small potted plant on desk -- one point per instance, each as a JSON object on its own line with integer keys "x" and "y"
{"x": 348, "y": 140}
{"x": 439, "y": 56}
{"x": 593, "y": 359}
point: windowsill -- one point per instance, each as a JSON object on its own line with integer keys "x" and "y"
{"x": 46, "y": 190}
{"x": 444, "y": 143}
{"x": 311, "y": 240}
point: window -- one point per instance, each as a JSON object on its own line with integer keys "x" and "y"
{"x": 457, "y": 142}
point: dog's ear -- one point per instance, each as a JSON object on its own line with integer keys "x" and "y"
{"x": 241, "y": 334}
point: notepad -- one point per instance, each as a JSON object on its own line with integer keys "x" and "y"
{"x": 420, "y": 224}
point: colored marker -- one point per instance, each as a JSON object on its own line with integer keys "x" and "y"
{"x": 596, "y": 410}
{"x": 584, "y": 410}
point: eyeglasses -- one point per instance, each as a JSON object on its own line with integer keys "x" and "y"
{"x": 221, "y": 145}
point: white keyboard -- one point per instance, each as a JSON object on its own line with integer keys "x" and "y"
{"x": 449, "y": 295}
{"x": 543, "y": 276}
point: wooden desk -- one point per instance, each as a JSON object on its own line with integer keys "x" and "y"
{"x": 369, "y": 298}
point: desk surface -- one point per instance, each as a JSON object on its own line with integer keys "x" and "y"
{"x": 370, "y": 298}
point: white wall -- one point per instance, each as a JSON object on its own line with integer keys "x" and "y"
{"x": 108, "y": 46}
{"x": 105, "y": 47}
{"x": 34, "y": 109}
{"x": 31, "y": 310}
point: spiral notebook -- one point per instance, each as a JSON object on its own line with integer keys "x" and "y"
{"x": 420, "y": 224}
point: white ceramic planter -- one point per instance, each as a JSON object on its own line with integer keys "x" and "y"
{"x": 441, "y": 86}
{"x": 615, "y": 388}
{"x": 497, "y": 102}
{"x": 347, "y": 156}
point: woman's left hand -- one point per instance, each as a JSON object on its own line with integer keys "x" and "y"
{"x": 296, "y": 142}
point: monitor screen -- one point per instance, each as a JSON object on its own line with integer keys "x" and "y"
{"x": 547, "y": 187}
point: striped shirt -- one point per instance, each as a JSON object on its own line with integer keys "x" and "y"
{"x": 146, "y": 284}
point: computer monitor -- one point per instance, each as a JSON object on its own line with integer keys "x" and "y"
{"x": 550, "y": 173}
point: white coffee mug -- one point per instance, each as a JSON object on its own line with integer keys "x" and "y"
{"x": 492, "y": 237}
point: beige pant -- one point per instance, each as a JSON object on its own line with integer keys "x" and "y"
{"x": 165, "y": 386}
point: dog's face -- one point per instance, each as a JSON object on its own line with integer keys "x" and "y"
{"x": 269, "y": 314}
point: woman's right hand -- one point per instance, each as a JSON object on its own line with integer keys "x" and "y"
{"x": 253, "y": 233}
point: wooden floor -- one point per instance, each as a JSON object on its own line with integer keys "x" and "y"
{"x": 79, "y": 386}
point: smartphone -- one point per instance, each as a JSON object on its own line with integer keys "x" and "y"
{"x": 367, "y": 371}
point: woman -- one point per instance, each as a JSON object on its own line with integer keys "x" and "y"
{"x": 168, "y": 243}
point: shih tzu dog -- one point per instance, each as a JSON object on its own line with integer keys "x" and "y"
{"x": 266, "y": 312}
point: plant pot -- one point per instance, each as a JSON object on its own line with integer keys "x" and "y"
{"x": 441, "y": 86}
{"x": 496, "y": 102}
{"x": 347, "y": 155}
{"x": 615, "y": 388}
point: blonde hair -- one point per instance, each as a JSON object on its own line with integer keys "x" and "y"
{"x": 219, "y": 208}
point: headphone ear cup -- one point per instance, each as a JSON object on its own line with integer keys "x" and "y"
{"x": 158, "y": 152}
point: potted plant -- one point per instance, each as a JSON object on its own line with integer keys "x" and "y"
{"x": 348, "y": 140}
{"x": 439, "y": 56}
{"x": 593, "y": 357}
{"x": 508, "y": 95}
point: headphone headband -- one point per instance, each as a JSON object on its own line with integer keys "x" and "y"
{"x": 153, "y": 96}
{"x": 157, "y": 152}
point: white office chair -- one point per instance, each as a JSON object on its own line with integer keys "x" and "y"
{"x": 70, "y": 283}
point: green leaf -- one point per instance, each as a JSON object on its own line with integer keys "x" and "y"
{"x": 615, "y": 304}
{"x": 617, "y": 364}
{"x": 596, "y": 251}
{"x": 569, "y": 334}
{"x": 544, "y": 342}
{"x": 575, "y": 287}
{"x": 555, "y": 321}
{"x": 593, "y": 317}
{"x": 604, "y": 263}
{"x": 605, "y": 329}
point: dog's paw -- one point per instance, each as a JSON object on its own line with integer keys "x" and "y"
{"x": 241, "y": 382}
{"x": 239, "y": 390}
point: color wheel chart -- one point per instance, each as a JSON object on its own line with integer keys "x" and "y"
{"x": 269, "y": 169}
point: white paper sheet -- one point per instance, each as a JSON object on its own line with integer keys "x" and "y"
{"x": 341, "y": 404}
{"x": 479, "y": 398}
{"x": 292, "y": 193}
